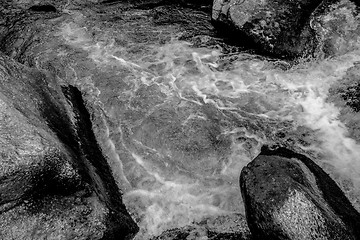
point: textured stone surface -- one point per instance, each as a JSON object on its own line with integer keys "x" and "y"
{"x": 278, "y": 28}
{"x": 55, "y": 183}
{"x": 287, "y": 196}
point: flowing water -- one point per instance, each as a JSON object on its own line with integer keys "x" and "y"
{"x": 182, "y": 121}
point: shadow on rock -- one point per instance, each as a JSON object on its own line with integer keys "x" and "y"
{"x": 277, "y": 28}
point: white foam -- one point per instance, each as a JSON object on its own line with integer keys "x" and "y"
{"x": 297, "y": 96}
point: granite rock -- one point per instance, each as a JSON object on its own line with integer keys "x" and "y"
{"x": 55, "y": 182}
{"x": 288, "y": 196}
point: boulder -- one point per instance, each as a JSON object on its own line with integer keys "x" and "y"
{"x": 288, "y": 196}
{"x": 55, "y": 182}
{"x": 276, "y": 28}
{"x": 289, "y": 29}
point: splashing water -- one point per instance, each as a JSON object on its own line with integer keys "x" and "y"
{"x": 251, "y": 99}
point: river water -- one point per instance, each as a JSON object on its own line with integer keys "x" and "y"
{"x": 181, "y": 119}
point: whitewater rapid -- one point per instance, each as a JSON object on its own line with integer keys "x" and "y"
{"x": 163, "y": 194}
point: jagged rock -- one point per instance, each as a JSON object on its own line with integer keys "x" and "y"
{"x": 287, "y": 196}
{"x": 278, "y": 28}
{"x": 55, "y": 183}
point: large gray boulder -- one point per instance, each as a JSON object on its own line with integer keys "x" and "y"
{"x": 287, "y": 196}
{"x": 55, "y": 182}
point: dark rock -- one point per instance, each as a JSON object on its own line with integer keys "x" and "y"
{"x": 54, "y": 180}
{"x": 277, "y": 28}
{"x": 149, "y": 4}
{"x": 287, "y": 196}
{"x": 43, "y": 8}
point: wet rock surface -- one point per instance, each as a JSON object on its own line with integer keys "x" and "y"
{"x": 280, "y": 28}
{"x": 289, "y": 29}
{"x": 229, "y": 227}
{"x": 55, "y": 182}
{"x": 287, "y": 196}
{"x": 337, "y": 27}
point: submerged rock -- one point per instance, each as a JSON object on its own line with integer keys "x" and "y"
{"x": 55, "y": 183}
{"x": 337, "y": 27}
{"x": 287, "y": 196}
{"x": 278, "y": 28}
{"x": 345, "y": 94}
{"x": 229, "y": 227}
